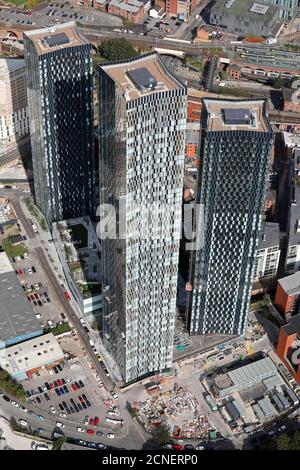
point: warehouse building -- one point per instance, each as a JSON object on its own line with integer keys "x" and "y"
{"x": 244, "y": 377}
{"x": 17, "y": 319}
{"x": 22, "y": 360}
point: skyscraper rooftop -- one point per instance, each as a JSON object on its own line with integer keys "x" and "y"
{"x": 143, "y": 76}
{"x": 227, "y": 115}
{"x": 55, "y": 37}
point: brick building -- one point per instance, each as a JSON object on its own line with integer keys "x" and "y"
{"x": 288, "y": 294}
{"x": 193, "y": 111}
{"x": 288, "y": 346}
{"x": 132, "y": 10}
{"x": 234, "y": 71}
{"x": 288, "y": 103}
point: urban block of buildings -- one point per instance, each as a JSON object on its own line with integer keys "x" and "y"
{"x": 235, "y": 146}
{"x": 28, "y": 357}
{"x": 17, "y": 319}
{"x": 142, "y": 125}
{"x": 132, "y": 10}
{"x": 244, "y": 377}
{"x": 60, "y": 96}
{"x": 79, "y": 252}
{"x": 246, "y": 17}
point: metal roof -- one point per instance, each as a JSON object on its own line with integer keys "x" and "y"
{"x": 259, "y": 413}
{"x": 270, "y": 236}
{"x": 142, "y": 78}
{"x": 17, "y": 319}
{"x": 57, "y": 39}
{"x": 262, "y": 368}
{"x": 238, "y": 116}
{"x": 267, "y": 407}
{"x": 291, "y": 284}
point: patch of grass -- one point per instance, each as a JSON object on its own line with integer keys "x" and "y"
{"x": 12, "y": 251}
{"x": 59, "y": 329}
{"x": 195, "y": 62}
{"x": 9, "y": 385}
{"x": 17, "y": 3}
{"x": 239, "y": 92}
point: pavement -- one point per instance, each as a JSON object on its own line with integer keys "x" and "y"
{"x": 15, "y": 441}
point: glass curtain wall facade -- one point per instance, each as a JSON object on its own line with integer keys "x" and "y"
{"x": 60, "y": 100}
{"x": 142, "y": 141}
{"x": 231, "y": 188}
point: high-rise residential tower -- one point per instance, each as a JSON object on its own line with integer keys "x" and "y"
{"x": 142, "y": 117}
{"x": 60, "y": 93}
{"x": 236, "y": 140}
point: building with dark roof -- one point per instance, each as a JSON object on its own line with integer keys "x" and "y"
{"x": 60, "y": 100}
{"x": 288, "y": 346}
{"x": 17, "y": 319}
{"x": 234, "y": 154}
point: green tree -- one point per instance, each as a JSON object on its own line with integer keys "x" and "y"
{"x": 162, "y": 435}
{"x": 116, "y": 49}
{"x": 58, "y": 443}
{"x": 278, "y": 83}
{"x": 223, "y": 74}
{"x": 283, "y": 442}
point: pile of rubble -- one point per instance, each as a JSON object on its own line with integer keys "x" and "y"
{"x": 172, "y": 405}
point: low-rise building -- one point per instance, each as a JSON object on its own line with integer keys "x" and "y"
{"x": 79, "y": 251}
{"x": 270, "y": 202}
{"x": 28, "y": 357}
{"x": 246, "y": 17}
{"x": 132, "y": 10}
{"x": 288, "y": 294}
{"x": 268, "y": 253}
{"x": 244, "y": 377}
{"x": 17, "y": 319}
{"x": 291, "y": 100}
{"x": 234, "y": 72}
{"x": 15, "y": 240}
{"x": 288, "y": 346}
{"x": 157, "y": 12}
{"x": 101, "y": 4}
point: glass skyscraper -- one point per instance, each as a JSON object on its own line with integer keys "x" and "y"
{"x": 236, "y": 140}
{"x": 142, "y": 123}
{"x": 60, "y": 89}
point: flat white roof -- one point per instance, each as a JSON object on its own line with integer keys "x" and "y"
{"x": 32, "y": 354}
{"x": 5, "y": 266}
